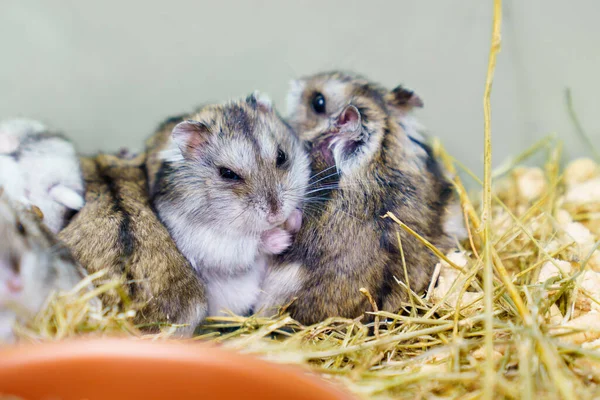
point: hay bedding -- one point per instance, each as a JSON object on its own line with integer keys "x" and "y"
{"x": 545, "y": 234}
{"x": 513, "y": 313}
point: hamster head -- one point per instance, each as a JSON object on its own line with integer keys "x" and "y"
{"x": 367, "y": 132}
{"x": 313, "y": 100}
{"x": 352, "y": 138}
{"x": 238, "y": 165}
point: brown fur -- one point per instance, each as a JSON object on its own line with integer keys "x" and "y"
{"x": 117, "y": 230}
{"x": 344, "y": 244}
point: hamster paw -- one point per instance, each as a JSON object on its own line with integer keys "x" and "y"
{"x": 275, "y": 241}
{"x": 294, "y": 221}
{"x": 67, "y": 197}
{"x": 8, "y": 143}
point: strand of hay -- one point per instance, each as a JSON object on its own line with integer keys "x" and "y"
{"x": 488, "y": 279}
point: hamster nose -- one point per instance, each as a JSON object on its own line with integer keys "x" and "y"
{"x": 9, "y": 272}
{"x": 10, "y": 264}
{"x": 274, "y": 213}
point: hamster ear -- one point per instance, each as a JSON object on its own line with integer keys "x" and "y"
{"x": 403, "y": 98}
{"x": 260, "y": 100}
{"x": 37, "y": 212}
{"x": 190, "y": 136}
{"x": 349, "y": 120}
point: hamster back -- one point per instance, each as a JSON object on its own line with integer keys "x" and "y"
{"x": 118, "y": 230}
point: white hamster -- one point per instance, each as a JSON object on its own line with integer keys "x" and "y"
{"x": 41, "y": 168}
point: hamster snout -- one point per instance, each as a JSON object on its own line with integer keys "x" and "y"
{"x": 10, "y": 281}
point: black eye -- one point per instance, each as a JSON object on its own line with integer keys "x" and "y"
{"x": 281, "y": 158}
{"x": 318, "y": 103}
{"x": 20, "y": 228}
{"x": 228, "y": 174}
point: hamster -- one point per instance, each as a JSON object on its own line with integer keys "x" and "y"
{"x": 118, "y": 230}
{"x": 33, "y": 263}
{"x": 40, "y": 168}
{"x": 364, "y": 165}
{"x": 313, "y": 100}
{"x": 226, "y": 181}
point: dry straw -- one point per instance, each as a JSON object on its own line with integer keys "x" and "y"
{"x": 514, "y": 313}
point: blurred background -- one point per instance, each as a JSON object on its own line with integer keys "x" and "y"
{"x": 107, "y": 72}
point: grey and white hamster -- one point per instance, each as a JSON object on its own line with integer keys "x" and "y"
{"x": 224, "y": 180}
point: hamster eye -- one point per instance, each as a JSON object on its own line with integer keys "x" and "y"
{"x": 318, "y": 103}
{"x": 281, "y": 158}
{"x": 20, "y": 228}
{"x": 228, "y": 174}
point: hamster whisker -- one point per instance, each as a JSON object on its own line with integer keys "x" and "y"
{"x": 322, "y": 172}
{"x": 304, "y": 199}
{"x": 316, "y": 200}
{"x": 323, "y": 178}
{"x": 321, "y": 189}
{"x": 330, "y": 168}
{"x": 313, "y": 183}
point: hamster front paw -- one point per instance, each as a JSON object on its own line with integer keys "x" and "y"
{"x": 294, "y": 221}
{"x": 275, "y": 241}
{"x": 67, "y": 197}
{"x": 8, "y": 143}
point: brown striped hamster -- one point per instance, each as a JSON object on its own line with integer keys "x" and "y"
{"x": 33, "y": 263}
{"x": 363, "y": 166}
{"x": 223, "y": 181}
{"x": 313, "y": 100}
{"x": 118, "y": 230}
{"x": 41, "y": 168}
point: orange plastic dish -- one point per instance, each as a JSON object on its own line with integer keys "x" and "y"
{"x": 116, "y": 369}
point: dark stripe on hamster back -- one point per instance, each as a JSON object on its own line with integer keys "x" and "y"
{"x": 163, "y": 184}
{"x": 433, "y": 166}
{"x": 126, "y": 238}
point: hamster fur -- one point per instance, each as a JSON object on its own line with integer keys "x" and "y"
{"x": 223, "y": 180}
{"x": 40, "y": 168}
{"x": 364, "y": 165}
{"x": 118, "y": 230}
{"x": 33, "y": 263}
